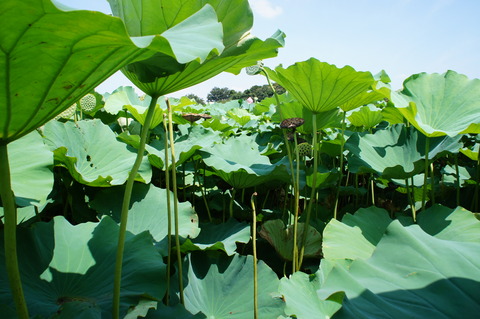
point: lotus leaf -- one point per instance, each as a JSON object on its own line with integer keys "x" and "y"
{"x": 231, "y": 46}
{"x": 219, "y": 237}
{"x": 281, "y": 238}
{"x": 60, "y": 262}
{"x": 409, "y": 267}
{"x": 46, "y": 67}
{"x": 88, "y": 148}
{"x": 291, "y": 108}
{"x": 228, "y": 292}
{"x": 30, "y": 157}
{"x": 148, "y": 211}
{"x": 300, "y": 293}
{"x": 357, "y": 235}
{"x": 429, "y": 100}
{"x": 396, "y": 152}
{"x": 239, "y": 163}
{"x": 368, "y": 116}
{"x": 320, "y": 86}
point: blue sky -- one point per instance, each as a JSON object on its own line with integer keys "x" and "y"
{"x": 402, "y": 37}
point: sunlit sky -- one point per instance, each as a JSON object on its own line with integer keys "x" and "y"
{"x": 402, "y": 37}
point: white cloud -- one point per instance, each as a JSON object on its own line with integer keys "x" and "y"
{"x": 266, "y": 9}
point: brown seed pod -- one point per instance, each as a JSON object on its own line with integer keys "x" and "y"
{"x": 193, "y": 117}
{"x": 292, "y": 123}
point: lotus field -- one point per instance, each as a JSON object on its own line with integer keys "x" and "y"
{"x": 341, "y": 198}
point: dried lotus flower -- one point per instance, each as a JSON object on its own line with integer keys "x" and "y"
{"x": 292, "y": 123}
{"x": 193, "y": 117}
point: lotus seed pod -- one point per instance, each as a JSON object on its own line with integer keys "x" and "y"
{"x": 304, "y": 149}
{"x": 68, "y": 113}
{"x": 88, "y": 102}
{"x": 254, "y": 69}
{"x": 292, "y": 123}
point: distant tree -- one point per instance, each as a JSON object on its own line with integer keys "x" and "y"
{"x": 259, "y": 92}
{"x": 220, "y": 94}
{"x": 263, "y": 91}
{"x": 196, "y": 98}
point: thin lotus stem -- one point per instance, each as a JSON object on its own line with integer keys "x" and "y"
{"x": 254, "y": 244}
{"x": 233, "y": 192}
{"x": 202, "y": 191}
{"x": 313, "y": 192}
{"x": 411, "y": 200}
{"x": 425, "y": 177}
{"x": 296, "y": 190}
{"x": 373, "y": 189}
{"x": 10, "y": 235}
{"x": 125, "y": 207}
{"x": 337, "y": 195}
{"x": 457, "y": 181}
{"x": 169, "y": 213}
{"x": 475, "y": 194}
{"x": 184, "y": 184}
{"x": 175, "y": 202}
{"x": 265, "y": 199}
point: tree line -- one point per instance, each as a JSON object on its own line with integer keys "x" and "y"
{"x": 256, "y": 92}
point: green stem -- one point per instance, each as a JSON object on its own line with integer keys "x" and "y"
{"x": 169, "y": 213}
{"x": 313, "y": 192}
{"x": 425, "y": 177}
{"x": 175, "y": 203}
{"x": 475, "y": 194}
{"x": 10, "y": 234}
{"x": 337, "y": 195}
{"x": 125, "y": 207}
{"x": 373, "y": 189}
{"x": 195, "y": 175}
{"x": 411, "y": 200}
{"x": 233, "y": 192}
{"x": 254, "y": 244}
{"x": 296, "y": 190}
{"x": 457, "y": 182}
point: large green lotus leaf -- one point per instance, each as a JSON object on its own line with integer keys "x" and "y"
{"x": 471, "y": 153}
{"x": 51, "y": 58}
{"x": 67, "y": 270}
{"x": 31, "y": 165}
{"x": 378, "y": 93}
{"x": 357, "y": 235}
{"x": 281, "y": 238}
{"x": 92, "y": 154}
{"x": 389, "y": 153}
{"x": 219, "y": 237}
{"x": 320, "y": 86}
{"x": 186, "y": 142}
{"x": 238, "y": 161}
{"x": 148, "y": 211}
{"x": 293, "y": 108}
{"x": 396, "y": 152}
{"x": 122, "y": 96}
{"x": 301, "y": 298}
{"x": 228, "y": 292}
{"x": 367, "y": 117}
{"x": 428, "y": 101}
{"x": 411, "y": 274}
{"x": 174, "y": 312}
{"x": 163, "y": 74}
